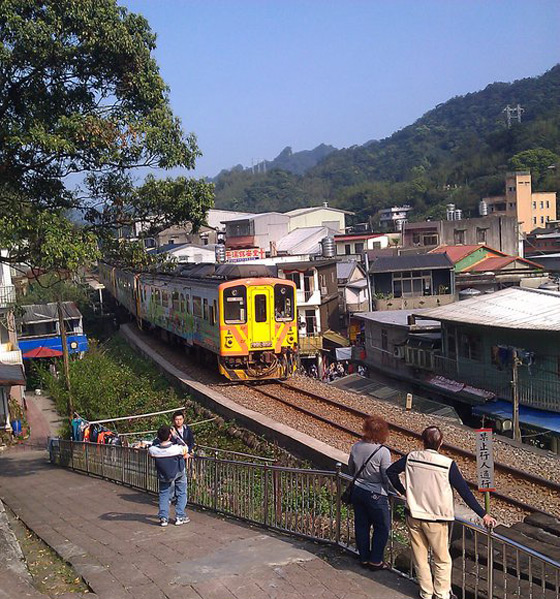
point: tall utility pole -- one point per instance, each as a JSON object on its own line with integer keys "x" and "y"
{"x": 515, "y": 395}
{"x": 65, "y": 359}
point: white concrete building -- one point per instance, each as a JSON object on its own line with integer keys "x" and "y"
{"x": 12, "y": 378}
{"x": 318, "y": 216}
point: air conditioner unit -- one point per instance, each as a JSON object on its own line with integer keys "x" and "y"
{"x": 324, "y": 291}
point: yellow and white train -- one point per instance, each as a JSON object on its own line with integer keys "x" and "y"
{"x": 248, "y": 324}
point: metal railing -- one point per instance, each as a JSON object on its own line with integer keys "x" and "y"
{"x": 7, "y": 295}
{"x": 307, "y": 503}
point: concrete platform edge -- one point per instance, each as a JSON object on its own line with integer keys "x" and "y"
{"x": 300, "y": 444}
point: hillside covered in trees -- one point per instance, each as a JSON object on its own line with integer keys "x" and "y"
{"x": 458, "y": 152}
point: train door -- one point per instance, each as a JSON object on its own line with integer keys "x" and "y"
{"x": 260, "y": 301}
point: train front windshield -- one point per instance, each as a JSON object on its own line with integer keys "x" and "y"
{"x": 283, "y": 302}
{"x": 235, "y": 305}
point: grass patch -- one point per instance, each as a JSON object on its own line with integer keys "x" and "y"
{"x": 50, "y": 573}
{"x": 112, "y": 380}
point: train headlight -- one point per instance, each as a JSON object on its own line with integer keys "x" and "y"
{"x": 229, "y": 342}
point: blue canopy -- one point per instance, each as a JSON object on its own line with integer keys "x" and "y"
{"x": 503, "y": 410}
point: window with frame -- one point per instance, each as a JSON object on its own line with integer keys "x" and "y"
{"x": 416, "y": 238}
{"x": 283, "y": 303}
{"x": 182, "y": 303}
{"x": 164, "y": 299}
{"x": 197, "y": 306}
{"x": 481, "y": 234}
{"x": 213, "y": 312}
{"x": 235, "y": 305}
{"x": 295, "y": 278}
{"x": 451, "y": 340}
{"x": 430, "y": 239}
{"x": 459, "y": 236}
{"x": 205, "y": 314}
{"x": 260, "y": 307}
{"x": 157, "y": 295}
{"x": 412, "y": 283}
{"x": 470, "y": 347}
{"x": 384, "y": 340}
{"x": 347, "y": 249}
{"x": 175, "y": 302}
{"x": 358, "y": 248}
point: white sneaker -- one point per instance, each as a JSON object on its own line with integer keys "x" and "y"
{"x": 163, "y": 522}
{"x": 180, "y": 521}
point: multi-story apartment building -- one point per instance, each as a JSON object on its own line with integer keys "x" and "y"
{"x": 532, "y": 209}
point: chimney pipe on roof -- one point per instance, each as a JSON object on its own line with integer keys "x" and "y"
{"x": 326, "y": 204}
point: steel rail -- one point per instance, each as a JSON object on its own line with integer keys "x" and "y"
{"x": 533, "y": 478}
{"x": 506, "y": 498}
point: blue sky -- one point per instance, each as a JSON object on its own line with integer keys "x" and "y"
{"x": 250, "y": 77}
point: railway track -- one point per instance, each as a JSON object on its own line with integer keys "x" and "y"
{"x": 521, "y": 490}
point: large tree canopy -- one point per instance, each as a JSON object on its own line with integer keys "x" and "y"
{"x": 82, "y": 104}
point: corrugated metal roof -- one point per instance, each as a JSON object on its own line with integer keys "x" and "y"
{"x": 344, "y": 269}
{"x": 303, "y": 240}
{"x": 48, "y": 312}
{"x": 399, "y": 318}
{"x": 458, "y": 252}
{"x": 410, "y": 262}
{"x": 493, "y": 263}
{"x": 517, "y": 308}
{"x": 11, "y": 374}
{"x": 299, "y": 211}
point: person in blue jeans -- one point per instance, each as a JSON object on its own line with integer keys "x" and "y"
{"x": 370, "y": 497}
{"x": 170, "y": 466}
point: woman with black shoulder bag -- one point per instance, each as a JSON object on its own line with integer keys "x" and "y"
{"x": 369, "y": 459}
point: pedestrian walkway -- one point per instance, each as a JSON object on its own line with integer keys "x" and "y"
{"x": 110, "y": 534}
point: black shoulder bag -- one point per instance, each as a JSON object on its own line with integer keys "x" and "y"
{"x": 346, "y": 496}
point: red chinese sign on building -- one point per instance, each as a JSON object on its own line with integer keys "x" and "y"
{"x": 245, "y": 255}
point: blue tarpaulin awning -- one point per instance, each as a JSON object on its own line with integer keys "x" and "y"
{"x": 503, "y": 410}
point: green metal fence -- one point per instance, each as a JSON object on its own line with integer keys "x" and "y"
{"x": 307, "y": 503}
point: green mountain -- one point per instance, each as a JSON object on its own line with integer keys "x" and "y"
{"x": 458, "y": 152}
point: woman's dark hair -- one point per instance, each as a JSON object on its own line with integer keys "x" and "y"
{"x": 432, "y": 437}
{"x": 164, "y": 432}
{"x": 178, "y": 413}
{"x": 375, "y": 430}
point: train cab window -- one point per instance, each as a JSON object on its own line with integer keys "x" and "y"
{"x": 260, "y": 308}
{"x": 175, "y": 301}
{"x": 283, "y": 302}
{"x": 205, "y": 309}
{"x": 197, "y": 306}
{"x": 235, "y": 305}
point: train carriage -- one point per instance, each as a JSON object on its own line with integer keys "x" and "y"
{"x": 248, "y": 324}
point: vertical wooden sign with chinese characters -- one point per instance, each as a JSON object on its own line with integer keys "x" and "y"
{"x": 485, "y": 463}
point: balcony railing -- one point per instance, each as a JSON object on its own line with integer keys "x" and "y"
{"x": 11, "y": 357}
{"x": 307, "y": 503}
{"x": 537, "y": 389}
{"x": 310, "y": 344}
{"x": 7, "y": 295}
{"x": 312, "y": 296}
{"x": 413, "y": 303}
